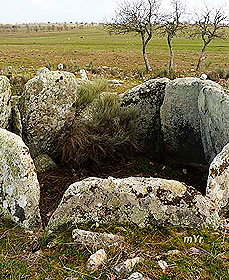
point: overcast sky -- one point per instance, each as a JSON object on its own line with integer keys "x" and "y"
{"x": 20, "y": 11}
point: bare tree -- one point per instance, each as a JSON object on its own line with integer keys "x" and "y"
{"x": 210, "y": 24}
{"x": 171, "y": 24}
{"x": 138, "y": 17}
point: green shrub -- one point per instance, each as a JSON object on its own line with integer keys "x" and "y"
{"x": 103, "y": 130}
{"x": 89, "y": 90}
{"x": 219, "y": 73}
{"x": 90, "y": 65}
{"x": 208, "y": 64}
{"x": 17, "y": 79}
{"x": 141, "y": 72}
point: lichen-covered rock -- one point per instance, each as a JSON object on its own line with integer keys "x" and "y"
{"x": 96, "y": 239}
{"x": 127, "y": 265}
{"x": 19, "y": 187}
{"x": 218, "y": 181}
{"x": 140, "y": 201}
{"x": 136, "y": 276}
{"x": 181, "y": 119}
{"x": 44, "y": 163}
{"x": 147, "y": 99}
{"x": 42, "y": 70}
{"x": 15, "y": 116}
{"x": 96, "y": 260}
{"x": 47, "y": 106}
{"x": 5, "y": 105}
{"x": 214, "y": 118}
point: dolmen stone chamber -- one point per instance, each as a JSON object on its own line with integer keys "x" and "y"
{"x": 186, "y": 118}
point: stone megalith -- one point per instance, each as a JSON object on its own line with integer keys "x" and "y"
{"x": 180, "y": 119}
{"x": 218, "y": 182}
{"x": 19, "y": 187}
{"x": 47, "y": 106}
{"x": 147, "y": 99}
{"x": 134, "y": 200}
{"x": 214, "y": 120}
{"x": 5, "y": 104}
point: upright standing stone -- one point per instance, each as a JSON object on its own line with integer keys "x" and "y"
{"x": 147, "y": 99}
{"x": 181, "y": 119}
{"x": 47, "y": 106}
{"x": 214, "y": 120}
{"x": 19, "y": 187}
{"x": 5, "y": 104}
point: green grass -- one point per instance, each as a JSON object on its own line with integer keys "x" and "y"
{"x": 59, "y": 257}
{"x": 123, "y": 51}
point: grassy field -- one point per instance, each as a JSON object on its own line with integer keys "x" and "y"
{"x": 27, "y": 50}
{"x": 28, "y": 255}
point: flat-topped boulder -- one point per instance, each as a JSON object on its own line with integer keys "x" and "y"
{"x": 47, "y": 106}
{"x": 5, "y": 104}
{"x": 19, "y": 187}
{"x": 134, "y": 200}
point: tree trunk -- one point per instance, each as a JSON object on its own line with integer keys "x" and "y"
{"x": 201, "y": 57}
{"x": 169, "y": 39}
{"x": 148, "y": 68}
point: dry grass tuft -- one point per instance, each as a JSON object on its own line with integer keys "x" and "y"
{"x": 102, "y": 130}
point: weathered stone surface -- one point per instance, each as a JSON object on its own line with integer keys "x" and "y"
{"x": 181, "y": 119}
{"x": 42, "y": 70}
{"x": 96, "y": 260}
{"x": 44, "y": 163}
{"x": 140, "y": 201}
{"x": 137, "y": 276}
{"x": 127, "y": 265}
{"x": 47, "y": 106}
{"x": 16, "y": 116}
{"x": 214, "y": 118}
{"x": 5, "y": 105}
{"x": 218, "y": 181}
{"x": 96, "y": 239}
{"x": 19, "y": 187}
{"x": 147, "y": 98}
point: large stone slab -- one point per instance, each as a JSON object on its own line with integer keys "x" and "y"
{"x": 140, "y": 201}
{"x": 147, "y": 99}
{"x": 19, "y": 187}
{"x": 214, "y": 119}
{"x": 47, "y": 106}
{"x": 218, "y": 181}
{"x": 181, "y": 123}
{"x": 5, "y": 104}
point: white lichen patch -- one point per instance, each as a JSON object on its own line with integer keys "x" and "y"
{"x": 176, "y": 187}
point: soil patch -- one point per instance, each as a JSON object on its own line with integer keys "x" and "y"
{"x": 53, "y": 184}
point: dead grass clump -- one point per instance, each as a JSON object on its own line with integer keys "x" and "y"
{"x": 101, "y": 131}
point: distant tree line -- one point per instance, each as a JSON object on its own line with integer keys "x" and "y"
{"x": 43, "y": 27}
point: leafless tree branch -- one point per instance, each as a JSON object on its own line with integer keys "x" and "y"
{"x": 137, "y": 16}
{"x": 210, "y": 24}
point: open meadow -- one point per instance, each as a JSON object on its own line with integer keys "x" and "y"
{"x": 26, "y": 50}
